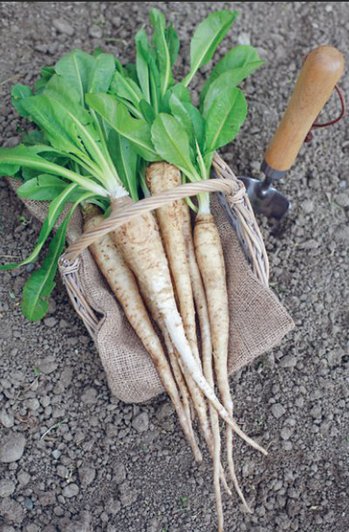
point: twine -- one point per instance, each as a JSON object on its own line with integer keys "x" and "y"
{"x": 124, "y": 210}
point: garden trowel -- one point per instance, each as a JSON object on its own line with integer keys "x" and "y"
{"x": 318, "y": 77}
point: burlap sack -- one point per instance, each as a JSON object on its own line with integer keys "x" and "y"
{"x": 258, "y": 321}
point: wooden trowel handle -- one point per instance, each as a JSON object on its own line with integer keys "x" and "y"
{"x": 321, "y": 70}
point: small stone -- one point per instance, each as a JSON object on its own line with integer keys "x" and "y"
{"x": 28, "y": 504}
{"x": 342, "y": 199}
{"x": 51, "y": 304}
{"x": 112, "y": 506}
{"x": 287, "y": 445}
{"x": 308, "y": 206}
{"x": 11, "y": 142}
{"x": 89, "y": 397}
{"x": 288, "y": 361}
{"x": 119, "y": 473}
{"x": 334, "y": 358}
{"x": 341, "y": 234}
{"x": 277, "y": 485}
{"x": 116, "y": 21}
{"x": 42, "y": 48}
{"x": 299, "y": 402}
{"x": 50, "y": 322}
{"x": 47, "y": 499}
{"x": 6, "y": 419}
{"x": 56, "y": 454}
{"x": 23, "y": 478}
{"x": 12, "y": 448}
{"x": 32, "y": 527}
{"x": 127, "y": 496}
{"x": 12, "y": 511}
{"x": 62, "y": 471}
{"x": 66, "y": 376}
{"x": 104, "y": 517}
{"x": 310, "y": 244}
{"x": 244, "y": 38}
{"x": 32, "y": 404}
{"x": 70, "y": 491}
{"x": 141, "y": 422}
{"x": 286, "y": 433}
{"x": 47, "y": 365}
{"x": 165, "y": 411}
{"x": 315, "y": 412}
{"x": 328, "y": 8}
{"x": 45, "y": 401}
{"x": 87, "y": 475}
{"x": 95, "y": 32}
{"x": 277, "y": 410}
{"x": 62, "y": 26}
{"x": 58, "y": 510}
{"x": 7, "y": 487}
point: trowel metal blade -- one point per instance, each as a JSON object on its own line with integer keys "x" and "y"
{"x": 270, "y": 202}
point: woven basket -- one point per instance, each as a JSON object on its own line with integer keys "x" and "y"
{"x": 258, "y": 321}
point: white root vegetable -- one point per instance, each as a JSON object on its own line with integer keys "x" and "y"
{"x": 161, "y": 177}
{"x": 172, "y": 355}
{"x": 206, "y": 348}
{"x": 209, "y": 253}
{"x": 123, "y": 284}
{"x": 140, "y": 243}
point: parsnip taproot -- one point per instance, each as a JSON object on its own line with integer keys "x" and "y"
{"x": 161, "y": 177}
{"x": 173, "y": 358}
{"x": 123, "y": 284}
{"x": 206, "y": 350}
{"x": 209, "y": 253}
{"x": 140, "y": 242}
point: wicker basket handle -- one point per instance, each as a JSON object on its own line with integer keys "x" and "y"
{"x": 227, "y": 183}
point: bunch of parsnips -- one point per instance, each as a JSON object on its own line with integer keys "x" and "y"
{"x": 106, "y": 131}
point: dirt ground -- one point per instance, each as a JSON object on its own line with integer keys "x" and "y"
{"x": 80, "y": 460}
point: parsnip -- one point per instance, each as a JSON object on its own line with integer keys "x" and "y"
{"x": 209, "y": 253}
{"x": 140, "y": 243}
{"x": 123, "y": 284}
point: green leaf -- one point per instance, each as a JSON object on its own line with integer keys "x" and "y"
{"x": 12, "y": 159}
{"x": 137, "y": 131}
{"x": 125, "y": 159}
{"x": 125, "y": 87}
{"x": 240, "y": 61}
{"x": 102, "y": 73}
{"x": 18, "y": 93}
{"x": 224, "y": 118}
{"x": 189, "y": 117}
{"x": 76, "y": 67}
{"x": 44, "y": 187}
{"x": 158, "y": 22}
{"x": 52, "y": 117}
{"x": 181, "y": 92}
{"x": 172, "y": 43}
{"x": 39, "y": 286}
{"x": 143, "y": 51}
{"x": 207, "y": 37}
{"x": 31, "y": 138}
{"x": 45, "y": 75}
{"x": 223, "y": 83}
{"x": 147, "y": 111}
{"x": 130, "y": 71}
{"x": 68, "y": 125}
{"x": 172, "y": 143}
{"x": 54, "y": 211}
